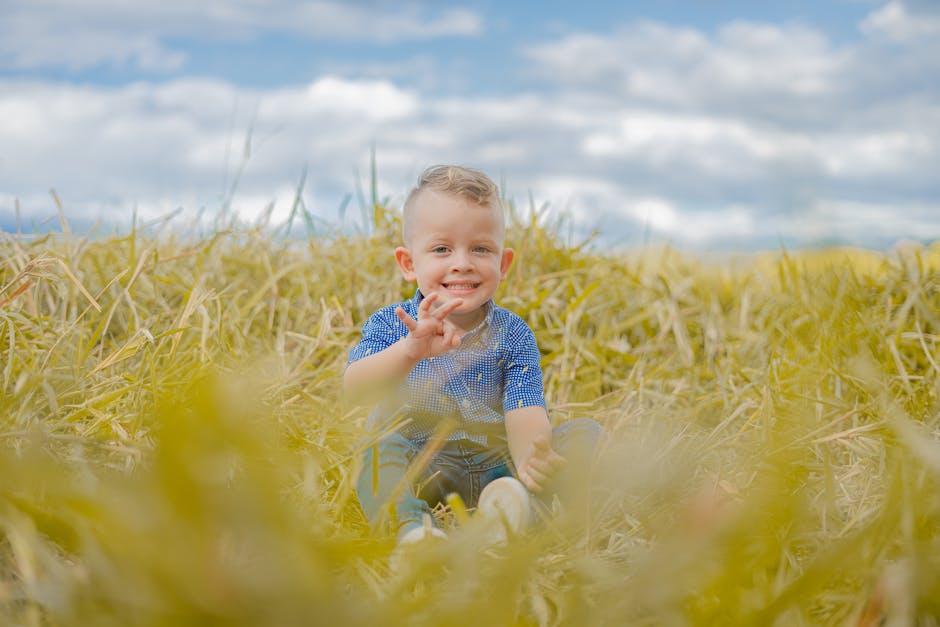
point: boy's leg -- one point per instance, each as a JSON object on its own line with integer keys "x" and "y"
{"x": 577, "y": 441}
{"x": 381, "y": 476}
{"x": 501, "y": 502}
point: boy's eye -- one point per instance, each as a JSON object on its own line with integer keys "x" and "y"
{"x": 440, "y": 249}
{"x": 481, "y": 249}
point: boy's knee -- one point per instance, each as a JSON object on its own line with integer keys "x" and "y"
{"x": 389, "y": 446}
{"x": 580, "y": 432}
{"x": 587, "y": 426}
{"x": 382, "y": 463}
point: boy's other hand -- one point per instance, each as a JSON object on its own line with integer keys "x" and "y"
{"x": 540, "y": 466}
{"x": 431, "y": 334}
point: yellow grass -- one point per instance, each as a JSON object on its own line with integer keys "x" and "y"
{"x": 174, "y": 448}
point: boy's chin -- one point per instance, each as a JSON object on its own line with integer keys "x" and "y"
{"x": 443, "y": 298}
{"x": 468, "y": 305}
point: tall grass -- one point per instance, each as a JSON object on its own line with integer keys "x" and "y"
{"x": 174, "y": 448}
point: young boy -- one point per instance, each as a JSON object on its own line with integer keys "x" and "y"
{"x": 451, "y": 355}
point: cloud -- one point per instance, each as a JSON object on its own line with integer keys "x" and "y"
{"x": 879, "y": 224}
{"x": 789, "y": 75}
{"x": 763, "y": 114}
{"x": 74, "y": 36}
{"x": 754, "y": 133}
{"x": 902, "y": 21}
{"x": 692, "y": 179}
{"x": 379, "y": 22}
{"x": 160, "y": 146}
{"x": 31, "y": 38}
{"x": 755, "y": 69}
{"x": 664, "y": 139}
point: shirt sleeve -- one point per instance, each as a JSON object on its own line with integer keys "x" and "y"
{"x": 378, "y": 333}
{"x": 523, "y": 385}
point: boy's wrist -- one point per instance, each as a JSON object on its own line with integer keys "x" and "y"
{"x": 411, "y": 351}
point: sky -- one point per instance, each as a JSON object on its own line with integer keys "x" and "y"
{"x": 710, "y": 125}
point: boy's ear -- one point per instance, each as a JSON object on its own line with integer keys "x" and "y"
{"x": 405, "y": 263}
{"x": 508, "y": 255}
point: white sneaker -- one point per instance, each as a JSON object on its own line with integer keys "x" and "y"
{"x": 409, "y": 542}
{"x": 506, "y": 505}
{"x": 419, "y": 533}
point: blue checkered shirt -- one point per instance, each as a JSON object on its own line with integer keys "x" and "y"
{"x": 496, "y": 369}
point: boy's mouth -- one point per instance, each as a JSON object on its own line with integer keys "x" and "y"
{"x": 461, "y": 287}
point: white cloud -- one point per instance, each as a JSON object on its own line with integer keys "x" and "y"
{"x": 378, "y": 22}
{"x": 754, "y": 132}
{"x": 64, "y": 33}
{"x": 899, "y": 21}
{"x": 657, "y": 213}
{"x": 880, "y": 154}
{"x": 369, "y": 99}
{"x": 852, "y": 221}
{"x": 623, "y": 216}
{"x": 660, "y": 139}
{"x": 733, "y": 222}
{"x": 694, "y": 179}
{"x": 765, "y": 69}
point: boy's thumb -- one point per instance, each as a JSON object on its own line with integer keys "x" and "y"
{"x": 540, "y": 442}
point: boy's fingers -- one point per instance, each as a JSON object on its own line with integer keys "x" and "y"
{"x": 406, "y": 319}
{"x": 444, "y": 310}
{"x": 450, "y": 336}
{"x": 537, "y": 476}
{"x": 545, "y": 465}
{"x": 530, "y": 484}
{"x": 541, "y": 468}
{"x": 541, "y": 444}
{"x": 425, "y": 305}
{"x": 541, "y": 448}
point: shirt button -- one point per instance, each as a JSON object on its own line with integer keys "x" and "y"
{"x": 465, "y": 403}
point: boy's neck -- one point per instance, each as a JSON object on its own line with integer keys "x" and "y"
{"x": 468, "y": 321}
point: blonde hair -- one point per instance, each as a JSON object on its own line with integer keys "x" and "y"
{"x": 467, "y": 183}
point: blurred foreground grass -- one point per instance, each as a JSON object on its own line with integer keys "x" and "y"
{"x": 174, "y": 449}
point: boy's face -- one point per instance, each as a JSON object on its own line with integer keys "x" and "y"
{"x": 455, "y": 250}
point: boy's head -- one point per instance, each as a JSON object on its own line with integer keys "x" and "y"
{"x": 467, "y": 183}
{"x": 453, "y": 233}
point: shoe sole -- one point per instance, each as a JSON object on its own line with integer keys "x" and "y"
{"x": 506, "y": 500}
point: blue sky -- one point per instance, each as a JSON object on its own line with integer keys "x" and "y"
{"x": 709, "y": 124}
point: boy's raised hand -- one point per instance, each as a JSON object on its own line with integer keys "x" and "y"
{"x": 540, "y": 466}
{"x": 431, "y": 334}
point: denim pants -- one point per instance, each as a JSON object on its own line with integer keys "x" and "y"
{"x": 462, "y": 467}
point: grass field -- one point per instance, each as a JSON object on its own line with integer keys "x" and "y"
{"x": 174, "y": 448}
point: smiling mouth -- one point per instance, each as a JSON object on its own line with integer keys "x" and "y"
{"x": 461, "y": 286}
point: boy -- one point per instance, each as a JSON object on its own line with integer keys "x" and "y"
{"x": 451, "y": 353}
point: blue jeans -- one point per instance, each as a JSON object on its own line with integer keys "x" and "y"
{"x": 462, "y": 467}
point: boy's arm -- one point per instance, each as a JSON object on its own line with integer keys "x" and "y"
{"x": 529, "y": 435}
{"x": 428, "y": 336}
{"x": 368, "y": 378}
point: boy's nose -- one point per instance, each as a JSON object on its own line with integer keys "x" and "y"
{"x": 461, "y": 261}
